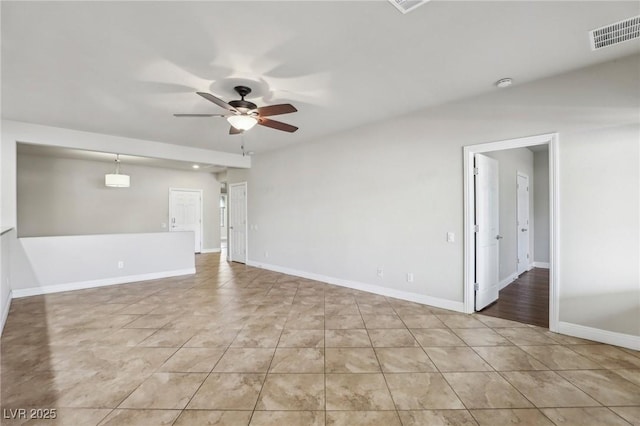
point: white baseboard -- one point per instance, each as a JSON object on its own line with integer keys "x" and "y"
{"x": 603, "y": 336}
{"x": 5, "y": 311}
{"x": 511, "y": 278}
{"x": 543, "y": 265}
{"x": 370, "y": 288}
{"x": 211, "y": 250}
{"x": 81, "y": 285}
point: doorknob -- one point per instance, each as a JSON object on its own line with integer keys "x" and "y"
{"x": 231, "y": 227}
{"x": 524, "y": 229}
{"x": 499, "y": 237}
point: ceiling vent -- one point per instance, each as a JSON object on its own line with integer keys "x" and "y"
{"x": 406, "y": 6}
{"x": 616, "y": 33}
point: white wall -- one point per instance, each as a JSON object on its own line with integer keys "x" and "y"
{"x": 385, "y": 195}
{"x": 60, "y": 196}
{"x": 357, "y": 202}
{"x": 7, "y": 221}
{"x": 541, "y": 206}
{"x": 236, "y": 175}
{"x": 600, "y": 246}
{"x": 511, "y": 162}
{"x": 47, "y": 264}
{"x": 5, "y": 279}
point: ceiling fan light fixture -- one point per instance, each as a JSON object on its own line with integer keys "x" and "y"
{"x": 245, "y": 114}
{"x": 242, "y": 122}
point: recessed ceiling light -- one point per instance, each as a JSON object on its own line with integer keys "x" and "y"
{"x": 504, "y": 82}
{"x": 195, "y": 166}
{"x": 405, "y": 6}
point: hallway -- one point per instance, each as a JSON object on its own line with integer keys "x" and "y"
{"x": 524, "y": 300}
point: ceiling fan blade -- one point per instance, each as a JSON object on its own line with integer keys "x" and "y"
{"x": 198, "y": 115}
{"x": 266, "y": 111}
{"x": 217, "y": 101}
{"x": 234, "y": 131}
{"x": 278, "y": 125}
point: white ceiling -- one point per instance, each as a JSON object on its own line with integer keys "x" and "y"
{"x": 124, "y": 68}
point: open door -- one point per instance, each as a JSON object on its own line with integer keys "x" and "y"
{"x": 524, "y": 260}
{"x": 237, "y": 249}
{"x": 487, "y": 231}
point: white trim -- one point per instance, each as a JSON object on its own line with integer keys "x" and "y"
{"x": 201, "y": 192}
{"x": 469, "y": 256}
{"x": 543, "y": 265}
{"x": 370, "y": 288}
{"x": 554, "y": 237}
{"x": 610, "y": 337}
{"x": 211, "y": 250}
{"x": 81, "y": 285}
{"x": 468, "y": 232}
{"x": 505, "y": 282}
{"x": 5, "y": 311}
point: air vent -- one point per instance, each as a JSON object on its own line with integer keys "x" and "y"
{"x": 406, "y": 6}
{"x": 622, "y": 31}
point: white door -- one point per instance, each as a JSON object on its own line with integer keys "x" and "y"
{"x": 487, "y": 230}
{"x": 237, "y": 249}
{"x": 523, "y": 223}
{"x": 185, "y": 213}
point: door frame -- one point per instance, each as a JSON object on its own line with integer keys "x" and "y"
{"x": 199, "y": 191}
{"x": 246, "y": 222}
{"x": 550, "y": 139}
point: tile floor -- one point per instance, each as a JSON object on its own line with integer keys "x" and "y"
{"x": 235, "y": 345}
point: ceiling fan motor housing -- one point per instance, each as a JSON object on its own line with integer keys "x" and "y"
{"x": 243, "y": 104}
{"x": 243, "y": 91}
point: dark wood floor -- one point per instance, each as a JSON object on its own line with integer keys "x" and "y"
{"x": 524, "y": 300}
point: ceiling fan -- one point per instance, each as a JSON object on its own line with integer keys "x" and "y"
{"x": 244, "y": 114}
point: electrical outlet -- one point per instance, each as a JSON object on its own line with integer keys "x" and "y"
{"x": 120, "y": 264}
{"x": 409, "y": 277}
{"x": 380, "y": 272}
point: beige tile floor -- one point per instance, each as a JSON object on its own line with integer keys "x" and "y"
{"x": 235, "y": 345}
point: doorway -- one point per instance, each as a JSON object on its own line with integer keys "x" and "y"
{"x": 471, "y": 259}
{"x": 524, "y": 300}
{"x": 185, "y": 213}
{"x": 237, "y": 200}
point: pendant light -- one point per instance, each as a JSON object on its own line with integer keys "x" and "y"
{"x": 116, "y": 180}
